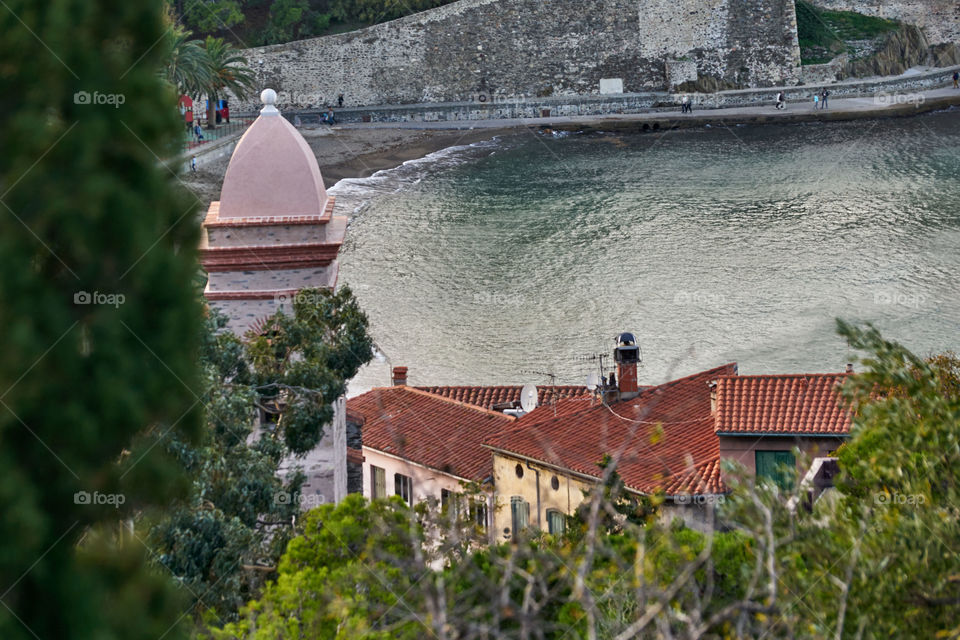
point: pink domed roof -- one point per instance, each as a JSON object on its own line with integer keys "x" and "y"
{"x": 273, "y": 171}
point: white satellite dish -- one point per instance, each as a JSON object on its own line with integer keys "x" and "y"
{"x": 593, "y": 381}
{"x": 528, "y": 397}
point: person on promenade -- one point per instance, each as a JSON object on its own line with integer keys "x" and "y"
{"x": 816, "y": 101}
{"x": 781, "y": 101}
{"x": 197, "y": 131}
{"x": 340, "y": 101}
{"x": 328, "y": 117}
{"x": 956, "y": 79}
{"x": 685, "y": 106}
{"x": 226, "y": 113}
{"x": 824, "y": 94}
{"x": 193, "y": 164}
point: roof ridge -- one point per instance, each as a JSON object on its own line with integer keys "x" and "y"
{"x": 700, "y": 374}
{"x": 451, "y": 401}
{"x": 492, "y": 386}
{"x": 754, "y": 376}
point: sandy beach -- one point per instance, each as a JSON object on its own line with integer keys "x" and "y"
{"x": 349, "y": 153}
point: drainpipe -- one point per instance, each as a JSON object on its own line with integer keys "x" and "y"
{"x": 537, "y": 471}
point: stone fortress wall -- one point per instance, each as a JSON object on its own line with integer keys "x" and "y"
{"x": 494, "y": 50}
{"x": 939, "y": 19}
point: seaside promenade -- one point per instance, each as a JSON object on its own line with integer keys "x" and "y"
{"x": 877, "y": 106}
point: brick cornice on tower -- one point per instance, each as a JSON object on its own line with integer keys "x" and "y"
{"x": 259, "y": 258}
{"x": 213, "y": 220}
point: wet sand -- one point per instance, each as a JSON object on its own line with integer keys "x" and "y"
{"x": 349, "y": 153}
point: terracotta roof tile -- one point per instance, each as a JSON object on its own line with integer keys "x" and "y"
{"x": 487, "y": 397}
{"x": 802, "y": 404}
{"x": 663, "y": 432}
{"x": 701, "y": 479}
{"x": 428, "y": 429}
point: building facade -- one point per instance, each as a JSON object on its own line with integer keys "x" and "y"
{"x": 762, "y": 420}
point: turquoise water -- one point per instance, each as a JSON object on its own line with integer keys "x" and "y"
{"x": 504, "y": 262}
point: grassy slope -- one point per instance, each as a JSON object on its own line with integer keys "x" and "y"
{"x": 823, "y": 34}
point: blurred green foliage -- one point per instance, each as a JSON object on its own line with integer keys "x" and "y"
{"x": 100, "y": 321}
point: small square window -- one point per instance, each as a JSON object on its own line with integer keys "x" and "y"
{"x": 378, "y": 483}
{"x": 448, "y": 500}
{"x": 403, "y": 487}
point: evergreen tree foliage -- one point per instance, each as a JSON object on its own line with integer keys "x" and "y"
{"x": 226, "y": 538}
{"x": 100, "y": 321}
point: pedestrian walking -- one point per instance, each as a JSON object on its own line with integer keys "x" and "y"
{"x": 956, "y": 79}
{"x": 816, "y": 101}
{"x": 685, "y": 106}
{"x": 824, "y": 94}
{"x": 197, "y": 131}
{"x": 226, "y": 113}
{"x": 781, "y": 101}
{"x": 340, "y": 101}
{"x": 193, "y": 164}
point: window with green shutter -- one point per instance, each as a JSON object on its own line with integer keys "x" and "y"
{"x": 378, "y": 483}
{"x": 777, "y": 466}
{"x": 556, "y": 522}
{"x": 520, "y": 512}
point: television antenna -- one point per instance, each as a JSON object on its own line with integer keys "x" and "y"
{"x": 552, "y": 376}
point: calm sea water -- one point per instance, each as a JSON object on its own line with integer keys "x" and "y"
{"x": 509, "y": 261}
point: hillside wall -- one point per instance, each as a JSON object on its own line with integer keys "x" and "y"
{"x": 488, "y": 50}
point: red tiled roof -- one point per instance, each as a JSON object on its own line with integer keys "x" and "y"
{"x": 429, "y": 430}
{"x": 488, "y": 396}
{"x": 661, "y": 433}
{"x": 704, "y": 478}
{"x": 802, "y": 404}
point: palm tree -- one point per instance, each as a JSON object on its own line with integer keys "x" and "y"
{"x": 228, "y": 70}
{"x": 187, "y": 66}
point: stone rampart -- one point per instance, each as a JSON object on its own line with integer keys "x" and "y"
{"x": 485, "y": 51}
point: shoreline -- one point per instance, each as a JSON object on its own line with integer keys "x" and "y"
{"x": 467, "y": 132}
{"x": 366, "y": 164}
{"x": 360, "y": 150}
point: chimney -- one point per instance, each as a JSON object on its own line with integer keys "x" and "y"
{"x": 399, "y": 376}
{"x": 849, "y": 367}
{"x": 713, "y": 397}
{"x": 627, "y": 356}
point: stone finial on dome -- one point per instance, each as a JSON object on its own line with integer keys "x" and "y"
{"x": 269, "y": 99}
